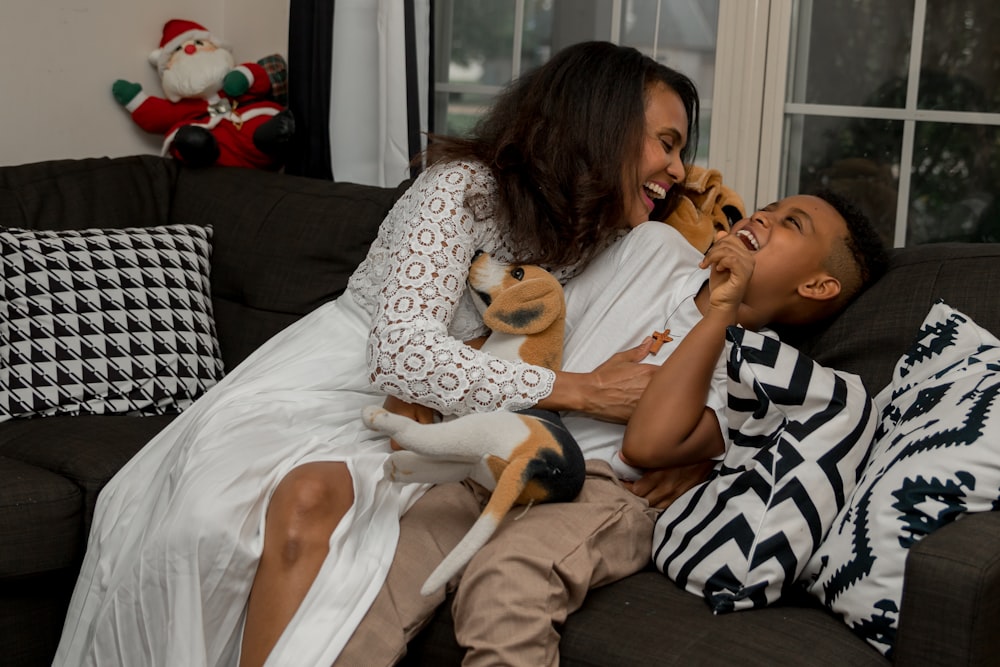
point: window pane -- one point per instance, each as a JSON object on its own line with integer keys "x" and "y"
{"x": 960, "y": 68}
{"x": 478, "y": 36}
{"x": 857, "y": 158}
{"x": 536, "y": 44}
{"x": 683, "y": 38}
{"x": 956, "y": 169}
{"x": 460, "y": 111}
{"x": 851, "y": 52}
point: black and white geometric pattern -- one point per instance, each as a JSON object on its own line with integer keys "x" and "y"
{"x": 102, "y": 321}
{"x": 799, "y": 435}
{"x": 936, "y": 457}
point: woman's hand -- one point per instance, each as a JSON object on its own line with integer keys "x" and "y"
{"x": 610, "y": 392}
{"x": 414, "y": 411}
{"x": 665, "y": 485}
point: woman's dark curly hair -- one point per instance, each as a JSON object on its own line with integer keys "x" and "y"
{"x": 559, "y": 140}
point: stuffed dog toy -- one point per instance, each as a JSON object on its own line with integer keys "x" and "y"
{"x": 523, "y": 457}
{"x": 706, "y": 206}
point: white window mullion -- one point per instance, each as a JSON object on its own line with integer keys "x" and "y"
{"x": 776, "y": 133}
{"x": 910, "y": 125}
{"x": 738, "y": 94}
{"x": 515, "y": 59}
{"x": 616, "y": 22}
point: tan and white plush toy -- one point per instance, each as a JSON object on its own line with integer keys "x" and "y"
{"x": 706, "y": 206}
{"x": 522, "y": 457}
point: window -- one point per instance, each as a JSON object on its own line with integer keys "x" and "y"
{"x": 895, "y": 103}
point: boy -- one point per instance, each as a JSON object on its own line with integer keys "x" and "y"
{"x": 796, "y": 261}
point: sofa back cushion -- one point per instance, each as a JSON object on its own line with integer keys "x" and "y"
{"x": 133, "y": 191}
{"x": 283, "y": 245}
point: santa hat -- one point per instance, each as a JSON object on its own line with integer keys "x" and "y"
{"x": 175, "y": 33}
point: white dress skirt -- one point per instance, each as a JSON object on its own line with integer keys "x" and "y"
{"x": 178, "y": 531}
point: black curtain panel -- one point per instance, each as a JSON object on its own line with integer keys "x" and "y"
{"x": 310, "y": 47}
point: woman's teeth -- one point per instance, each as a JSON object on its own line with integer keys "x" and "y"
{"x": 655, "y": 191}
{"x": 748, "y": 239}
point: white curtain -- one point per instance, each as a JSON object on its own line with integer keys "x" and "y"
{"x": 372, "y": 117}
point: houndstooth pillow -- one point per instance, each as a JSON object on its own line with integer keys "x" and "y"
{"x": 936, "y": 457}
{"x": 798, "y": 440}
{"x": 101, "y": 321}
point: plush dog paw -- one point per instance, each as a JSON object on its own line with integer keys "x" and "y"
{"x": 391, "y": 470}
{"x": 401, "y": 466}
{"x": 371, "y": 414}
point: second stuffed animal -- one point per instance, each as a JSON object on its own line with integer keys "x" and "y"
{"x": 522, "y": 457}
{"x": 706, "y": 206}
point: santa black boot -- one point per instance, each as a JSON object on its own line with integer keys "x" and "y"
{"x": 195, "y": 146}
{"x": 273, "y": 137}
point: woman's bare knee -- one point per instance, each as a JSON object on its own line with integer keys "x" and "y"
{"x": 306, "y": 507}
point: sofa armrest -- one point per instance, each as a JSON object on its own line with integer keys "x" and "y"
{"x": 950, "y": 612}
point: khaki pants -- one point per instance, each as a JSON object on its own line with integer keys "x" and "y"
{"x": 529, "y": 577}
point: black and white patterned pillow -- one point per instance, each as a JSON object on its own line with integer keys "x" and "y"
{"x": 936, "y": 457}
{"x": 102, "y": 321}
{"x": 798, "y": 440}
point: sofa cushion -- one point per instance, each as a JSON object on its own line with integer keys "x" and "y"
{"x": 73, "y": 194}
{"x": 105, "y": 321}
{"x": 645, "y": 620}
{"x": 41, "y": 520}
{"x": 87, "y": 450}
{"x": 282, "y": 247}
{"x": 936, "y": 457}
{"x": 799, "y": 435}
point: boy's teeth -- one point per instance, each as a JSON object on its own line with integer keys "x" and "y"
{"x": 744, "y": 234}
{"x": 656, "y": 190}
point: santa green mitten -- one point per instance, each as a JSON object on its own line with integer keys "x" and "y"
{"x": 235, "y": 83}
{"x": 125, "y": 91}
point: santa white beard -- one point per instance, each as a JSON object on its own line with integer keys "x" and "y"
{"x": 199, "y": 74}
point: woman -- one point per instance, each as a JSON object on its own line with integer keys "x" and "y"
{"x": 266, "y": 497}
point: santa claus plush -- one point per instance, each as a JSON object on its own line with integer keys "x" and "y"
{"x": 215, "y": 112}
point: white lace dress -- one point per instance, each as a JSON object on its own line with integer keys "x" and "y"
{"x": 178, "y": 531}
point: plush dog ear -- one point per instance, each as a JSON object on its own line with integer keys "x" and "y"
{"x": 526, "y": 308}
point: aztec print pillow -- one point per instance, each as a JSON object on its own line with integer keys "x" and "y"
{"x": 936, "y": 456}
{"x": 102, "y": 321}
{"x": 798, "y": 440}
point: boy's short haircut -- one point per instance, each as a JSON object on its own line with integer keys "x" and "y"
{"x": 862, "y": 259}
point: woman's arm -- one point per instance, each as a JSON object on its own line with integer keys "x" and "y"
{"x": 671, "y": 425}
{"x": 414, "y": 279}
{"x": 610, "y": 392}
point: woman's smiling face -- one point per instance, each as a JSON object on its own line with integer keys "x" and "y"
{"x": 660, "y": 165}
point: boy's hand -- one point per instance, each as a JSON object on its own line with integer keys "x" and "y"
{"x": 665, "y": 485}
{"x": 732, "y": 265}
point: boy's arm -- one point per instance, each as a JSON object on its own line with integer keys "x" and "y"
{"x": 671, "y": 425}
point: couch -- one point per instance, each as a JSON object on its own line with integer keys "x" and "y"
{"x": 282, "y": 246}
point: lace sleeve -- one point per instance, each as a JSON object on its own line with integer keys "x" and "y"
{"x": 427, "y": 244}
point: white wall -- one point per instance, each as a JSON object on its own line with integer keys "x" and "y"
{"x": 58, "y": 59}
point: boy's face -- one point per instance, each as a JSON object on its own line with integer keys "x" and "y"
{"x": 791, "y": 241}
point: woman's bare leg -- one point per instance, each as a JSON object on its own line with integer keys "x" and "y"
{"x": 302, "y": 514}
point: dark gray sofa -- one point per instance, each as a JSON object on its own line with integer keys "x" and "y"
{"x": 284, "y": 245}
